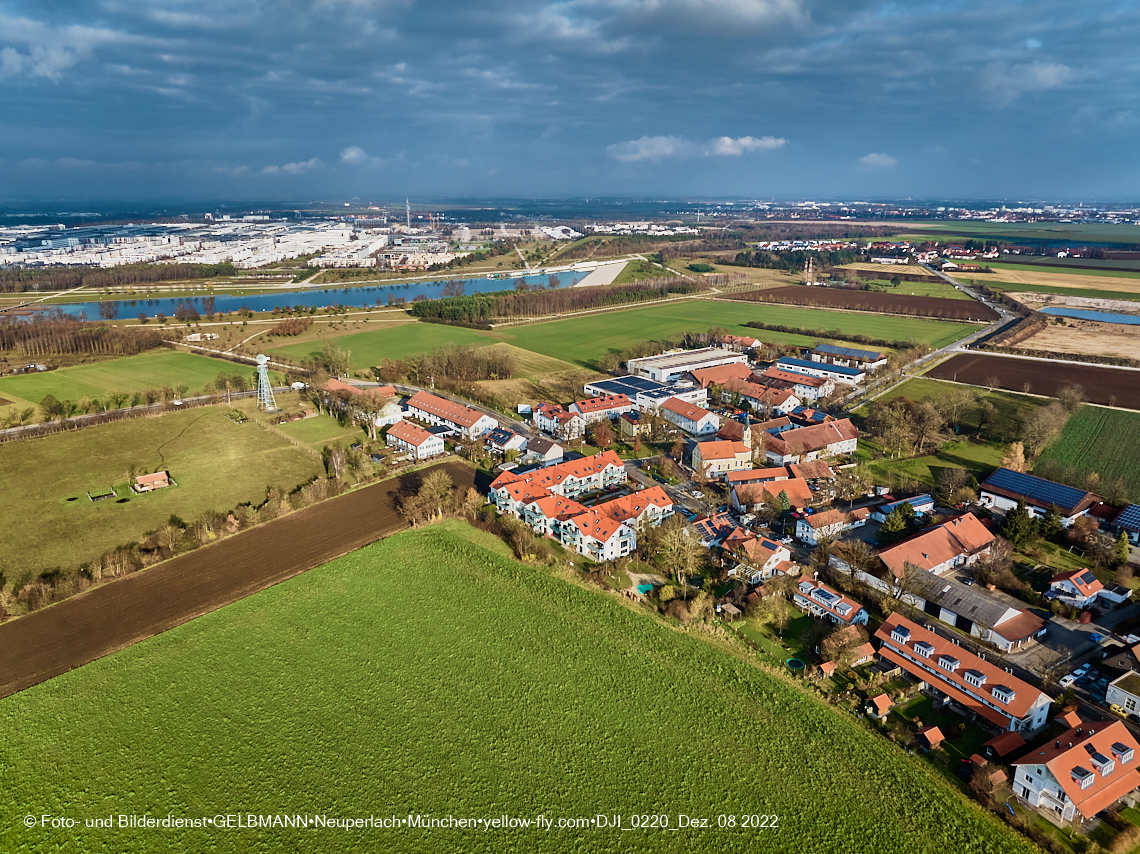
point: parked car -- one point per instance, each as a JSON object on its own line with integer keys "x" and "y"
{"x": 1097, "y": 638}
{"x": 1082, "y": 670}
{"x": 968, "y": 582}
{"x": 1117, "y": 710}
{"x": 1067, "y": 680}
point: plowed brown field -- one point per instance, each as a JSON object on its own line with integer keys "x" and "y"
{"x": 1107, "y": 386}
{"x": 947, "y": 309}
{"x": 96, "y": 623}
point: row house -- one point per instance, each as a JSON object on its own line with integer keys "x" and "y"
{"x": 511, "y": 492}
{"x": 464, "y": 420}
{"x": 414, "y": 439}
{"x": 604, "y": 408}
{"x": 694, "y": 420}
{"x": 806, "y": 388}
{"x": 1083, "y": 771}
{"x": 816, "y": 598}
{"x": 805, "y": 444}
{"x": 974, "y": 683}
{"x": 836, "y": 373}
{"x": 604, "y": 532}
{"x": 551, "y": 418}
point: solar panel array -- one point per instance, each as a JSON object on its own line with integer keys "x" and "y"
{"x": 819, "y": 366}
{"x": 1036, "y": 489}
{"x": 1086, "y": 578}
{"x": 849, "y": 352}
{"x": 1129, "y": 518}
{"x": 628, "y": 385}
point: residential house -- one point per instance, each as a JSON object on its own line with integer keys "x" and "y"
{"x": 740, "y": 343}
{"x": 604, "y": 408}
{"x": 806, "y": 387}
{"x": 631, "y": 425}
{"x": 551, "y": 418}
{"x": 764, "y": 400}
{"x": 1005, "y": 487}
{"x": 868, "y": 360}
{"x": 957, "y": 543}
{"x": 816, "y": 598}
{"x": 804, "y": 444}
{"x": 464, "y": 420}
{"x": 544, "y": 451}
{"x": 379, "y": 402}
{"x": 805, "y": 416}
{"x": 511, "y": 492}
{"x": 830, "y": 523}
{"x": 502, "y": 440}
{"x": 816, "y": 470}
{"x": 414, "y": 439}
{"x": 835, "y": 373}
{"x": 1078, "y": 588}
{"x": 721, "y": 375}
{"x": 748, "y": 496}
{"x": 974, "y": 683}
{"x": 1082, "y": 772}
{"x": 609, "y": 531}
{"x": 920, "y": 504}
{"x": 716, "y": 459}
{"x": 669, "y": 367}
{"x": 764, "y": 558}
{"x": 694, "y": 420}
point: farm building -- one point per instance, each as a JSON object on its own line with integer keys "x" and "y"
{"x": 805, "y": 387}
{"x": 646, "y": 394}
{"x": 1005, "y": 487}
{"x": 669, "y": 367}
{"x": 414, "y": 439}
{"x": 835, "y": 373}
{"x": 816, "y": 598}
{"x": 830, "y": 523}
{"x": 973, "y": 683}
{"x": 604, "y": 408}
{"x": 921, "y": 504}
{"x": 151, "y": 482}
{"x": 694, "y": 420}
{"x": 553, "y": 419}
{"x": 1082, "y": 772}
{"x": 464, "y": 420}
{"x": 1129, "y": 521}
{"x": 740, "y": 343}
{"x": 848, "y": 357}
{"x": 721, "y": 375}
{"x": 959, "y": 542}
{"x": 716, "y": 459}
{"x": 805, "y": 444}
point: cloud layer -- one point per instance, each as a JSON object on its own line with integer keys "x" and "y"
{"x": 740, "y": 97}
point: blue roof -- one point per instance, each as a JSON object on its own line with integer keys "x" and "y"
{"x": 849, "y": 352}
{"x": 1129, "y": 518}
{"x": 628, "y": 385}
{"x": 1036, "y": 490}
{"x": 820, "y": 366}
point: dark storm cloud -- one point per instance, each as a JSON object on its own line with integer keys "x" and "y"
{"x": 731, "y": 97}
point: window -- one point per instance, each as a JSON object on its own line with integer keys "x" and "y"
{"x": 923, "y": 649}
{"x": 975, "y": 678}
{"x": 948, "y": 663}
{"x": 1130, "y": 704}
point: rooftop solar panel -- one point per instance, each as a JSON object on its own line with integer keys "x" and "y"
{"x": 1036, "y": 489}
{"x": 850, "y": 352}
{"x": 817, "y": 366}
{"x": 1086, "y": 577}
{"x": 1129, "y": 518}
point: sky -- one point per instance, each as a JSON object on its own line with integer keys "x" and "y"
{"x": 323, "y": 99}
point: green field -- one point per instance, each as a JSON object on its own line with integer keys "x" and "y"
{"x": 323, "y": 430}
{"x": 428, "y": 675}
{"x": 1100, "y": 440}
{"x": 127, "y": 374}
{"x": 1027, "y": 232}
{"x": 582, "y": 339}
{"x": 216, "y": 463}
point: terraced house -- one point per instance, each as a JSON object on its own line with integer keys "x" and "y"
{"x": 511, "y": 492}
{"x": 464, "y": 420}
{"x": 819, "y": 600}
{"x": 956, "y": 674}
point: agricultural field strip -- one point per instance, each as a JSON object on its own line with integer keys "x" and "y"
{"x": 565, "y": 675}
{"x": 1103, "y": 441}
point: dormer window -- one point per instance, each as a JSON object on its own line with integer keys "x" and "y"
{"x": 1083, "y": 776}
{"x": 1003, "y": 694}
{"x": 900, "y": 634}
{"x": 975, "y": 678}
{"x": 923, "y": 649}
{"x": 948, "y": 663}
{"x": 1122, "y": 752}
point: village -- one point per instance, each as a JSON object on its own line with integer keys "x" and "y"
{"x": 886, "y": 601}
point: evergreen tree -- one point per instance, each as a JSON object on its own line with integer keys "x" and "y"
{"x": 1019, "y": 527}
{"x": 894, "y": 527}
{"x": 782, "y": 500}
{"x": 1051, "y": 523}
{"x": 1122, "y": 551}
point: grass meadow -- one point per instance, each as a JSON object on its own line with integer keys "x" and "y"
{"x": 126, "y": 374}
{"x": 427, "y": 674}
{"x": 1100, "y": 440}
{"x": 216, "y": 463}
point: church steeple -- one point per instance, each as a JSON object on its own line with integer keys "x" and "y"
{"x": 747, "y": 437}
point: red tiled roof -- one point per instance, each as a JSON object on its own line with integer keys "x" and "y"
{"x": 1075, "y": 578}
{"x": 962, "y": 536}
{"x": 721, "y": 374}
{"x": 630, "y": 507}
{"x": 720, "y": 450}
{"x": 603, "y": 403}
{"x": 815, "y": 470}
{"x": 932, "y": 734}
{"x": 1074, "y": 751}
{"x": 456, "y": 413}
{"x": 954, "y": 683}
{"x": 408, "y": 432}
{"x": 685, "y": 409}
{"x": 882, "y": 703}
{"x": 827, "y": 668}
{"x": 756, "y": 475}
{"x": 814, "y": 438}
{"x": 1070, "y": 719}
{"x": 799, "y": 493}
{"x": 775, "y": 373}
{"x": 558, "y": 507}
{"x": 1024, "y": 625}
{"x": 1006, "y": 743}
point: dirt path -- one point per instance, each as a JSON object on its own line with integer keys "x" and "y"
{"x": 72, "y": 633}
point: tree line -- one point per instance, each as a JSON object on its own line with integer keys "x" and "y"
{"x": 15, "y": 281}
{"x": 795, "y": 259}
{"x": 481, "y": 309}
{"x": 63, "y": 335}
